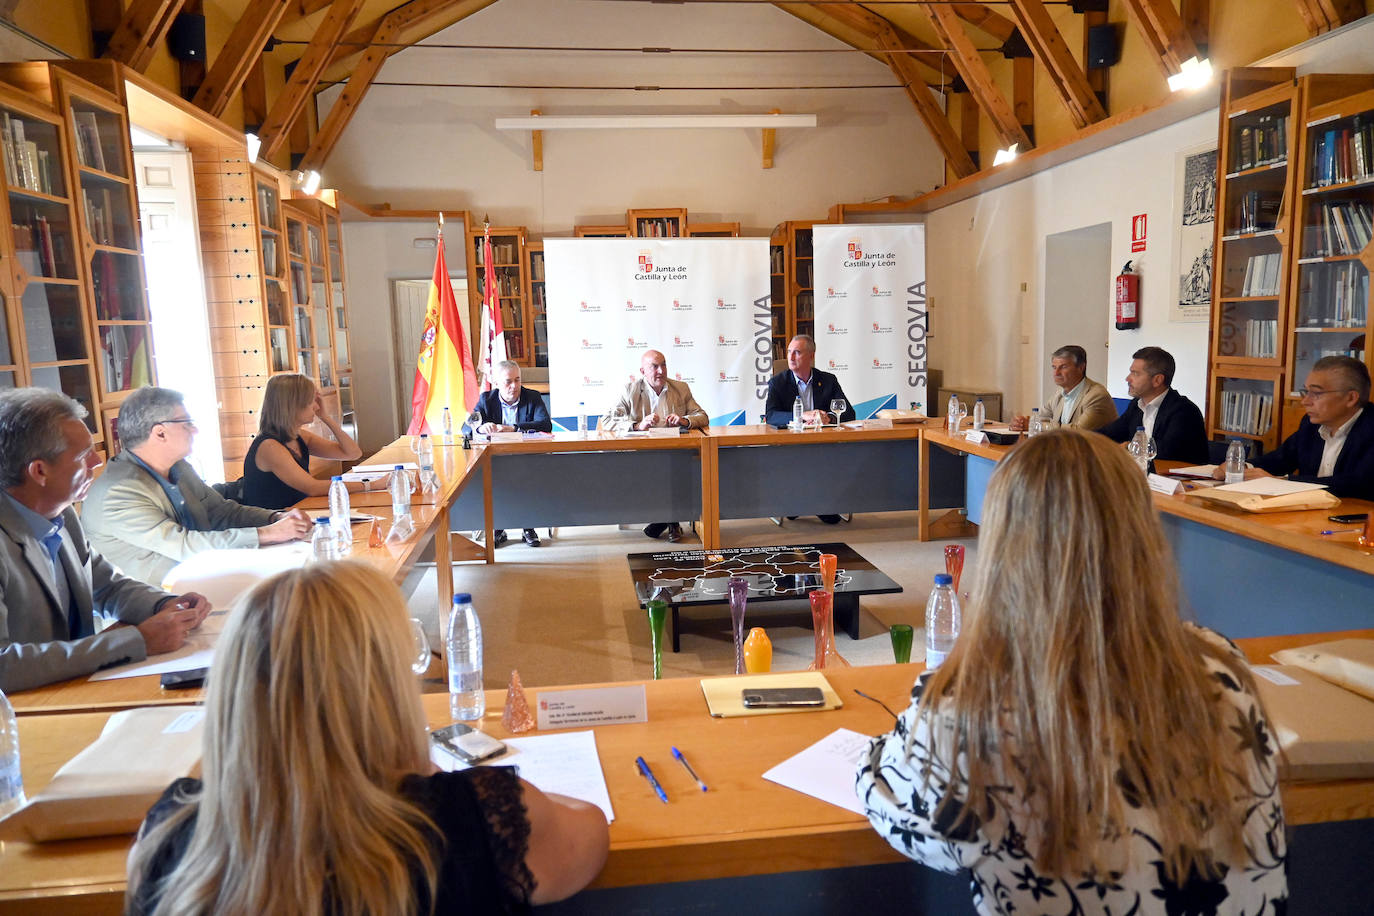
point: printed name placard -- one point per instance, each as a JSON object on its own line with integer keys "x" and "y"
{"x": 592, "y": 706}
{"x": 1166, "y": 485}
{"x": 977, "y": 436}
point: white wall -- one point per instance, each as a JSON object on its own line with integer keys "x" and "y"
{"x": 427, "y": 147}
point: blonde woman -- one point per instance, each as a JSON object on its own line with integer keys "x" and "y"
{"x": 276, "y": 470}
{"x": 318, "y": 795}
{"x": 1082, "y": 749}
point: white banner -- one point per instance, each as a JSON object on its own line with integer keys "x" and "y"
{"x": 871, "y": 316}
{"x": 703, "y": 302}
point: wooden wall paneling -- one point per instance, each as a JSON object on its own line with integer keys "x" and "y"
{"x": 241, "y": 52}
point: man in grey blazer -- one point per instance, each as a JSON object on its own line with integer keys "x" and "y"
{"x": 651, "y": 400}
{"x": 150, "y": 510}
{"x": 52, "y": 582}
{"x": 1077, "y": 400}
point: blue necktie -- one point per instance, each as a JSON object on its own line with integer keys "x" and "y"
{"x": 52, "y": 542}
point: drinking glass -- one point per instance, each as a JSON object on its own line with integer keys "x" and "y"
{"x": 837, "y": 407}
{"x": 954, "y": 563}
{"x": 739, "y": 594}
{"x": 420, "y": 664}
{"x": 901, "y": 635}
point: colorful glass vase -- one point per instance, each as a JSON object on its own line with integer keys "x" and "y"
{"x": 658, "y": 612}
{"x": 828, "y": 562}
{"x": 954, "y": 563}
{"x": 758, "y": 652}
{"x": 822, "y": 619}
{"x": 739, "y": 595}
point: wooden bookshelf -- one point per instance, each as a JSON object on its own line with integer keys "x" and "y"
{"x": 509, "y": 260}
{"x": 713, "y": 230}
{"x": 339, "y": 320}
{"x": 777, "y": 285}
{"x": 799, "y": 283}
{"x": 662, "y": 223}
{"x": 535, "y": 295}
{"x": 271, "y": 231}
{"x": 601, "y": 232}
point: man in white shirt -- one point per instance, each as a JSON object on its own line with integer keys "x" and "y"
{"x": 1334, "y": 444}
{"x": 1173, "y": 421}
{"x": 1077, "y": 400}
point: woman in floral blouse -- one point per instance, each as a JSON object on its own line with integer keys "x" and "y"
{"x": 1082, "y": 750}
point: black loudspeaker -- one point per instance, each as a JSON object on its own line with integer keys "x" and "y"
{"x": 1103, "y": 48}
{"x": 186, "y": 37}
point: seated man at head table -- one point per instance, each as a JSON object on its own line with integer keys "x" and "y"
{"x": 508, "y": 408}
{"x": 150, "y": 510}
{"x": 52, "y": 581}
{"x": 1077, "y": 400}
{"x": 1334, "y": 444}
{"x": 652, "y": 400}
{"x": 1173, "y": 421}
{"x": 816, "y": 389}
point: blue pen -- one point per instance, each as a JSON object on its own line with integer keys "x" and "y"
{"x": 649, "y": 775}
{"x": 1343, "y": 531}
{"x": 690, "y": 772}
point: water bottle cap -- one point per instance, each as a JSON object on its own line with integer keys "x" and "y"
{"x": 462, "y": 598}
{"x": 424, "y": 435}
{"x": 322, "y": 520}
{"x": 337, "y": 477}
{"x": 1140, "y": 429}
{"x": 399, "y": 467}
{"x": 944, "y": 579}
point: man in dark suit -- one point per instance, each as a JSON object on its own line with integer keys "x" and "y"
{"x": 1334, "y": 444}
{"x": 53, "y": 583}
{"x": 815, "y": 388}
{"x": 507, "y": 408}
{"x": 1173, "y": 421}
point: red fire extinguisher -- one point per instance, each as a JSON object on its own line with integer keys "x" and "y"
{"x": 1127, "y": 299}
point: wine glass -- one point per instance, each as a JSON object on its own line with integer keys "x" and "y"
{"x": 1143, "y": 452}
{"x": 837, "y": 407}
{"x": 421, "y": 661}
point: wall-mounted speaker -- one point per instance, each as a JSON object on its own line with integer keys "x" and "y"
{"x": 1104, "y": 49}
{"x": 186, "y": 37}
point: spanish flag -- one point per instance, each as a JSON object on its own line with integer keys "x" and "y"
{"x": 444, "y": 375}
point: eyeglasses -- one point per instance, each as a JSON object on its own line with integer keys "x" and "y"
{"x": 1305, "y": 393}
{"x": 187, "y": 420}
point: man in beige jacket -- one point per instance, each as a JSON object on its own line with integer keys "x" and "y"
{"x": 651, "y": 400}
{"x": 1078, "y": 400}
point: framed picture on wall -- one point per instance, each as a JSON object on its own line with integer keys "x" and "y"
{"x": 1195, "y": 173}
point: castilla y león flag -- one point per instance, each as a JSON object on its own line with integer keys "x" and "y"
{"x": 444, "y": 375}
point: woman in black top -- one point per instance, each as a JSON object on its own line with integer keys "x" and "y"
{"x": 318, "y": 795}
{"x": 276, "y": 470}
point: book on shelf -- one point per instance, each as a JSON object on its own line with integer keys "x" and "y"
{"x": 1334, "y": 295}
{"x": 805, "y": 306}
{"x": 1262, "y": 338}
{"x": 1262, "y": 143}
{"x": 89, "y": 150}
{"x": 26, "y": 165}
{"x": 1262, "y": 275}
{"x": 1340, "y": 227}
{"x": 1259, "y": 211}
{"x": 99, "y": 207}
{"x": 776, "y": 258}
{"x": 502, "y": 253}
{"x": 537, "y": 269}
{"x": 657, "y": 228}
{"x": 269, "y": 255}
{"x": 267, "y": 205}
{"x": 512, "y": 316}
{"x": 1343, "y": 154}
{"x": 1248, "y": 412}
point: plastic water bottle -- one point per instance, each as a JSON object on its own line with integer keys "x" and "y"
{"x": 797, "y": 413}
{"x": 448, "y": 427}
{"x": 323, "y": 545}
{"x": 581, "y": 419}
{"x": 339, "y": 513}
{"x": 11, "y": 777}
{"x": 952, "y": 415}
{"x": 399, "y": 488}
{"x": 1034, "y": 427}
{"x": 464, "y": 645}
{"x": 942, "y": 620}
{"x": 980, "y": 415}
{"x": 425, "y": 458}
{"x": 1235, "y": 461}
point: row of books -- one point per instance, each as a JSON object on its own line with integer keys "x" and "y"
{"x": 503, "y": 253}
{"x": 512, "y": 316}
{"x": 657, "y": 228}
{"x": 536, "y": 268}
{"x": 1343, "y": 154}
{"x": 1259, "y": 211}
{"x": 805, "y": 273}
{"x": 776, "y": 259}
{"x": 26, "y": 164}
{"x": 515, "y": 346}
{"x": 39, "y": 249}
{"x": 269, "y": 255}
{"x": 100, "y": 215}
{"x": 1246, "y": 412}
{"x": 507, "y": 284}
{"x": 267, "y": 205}
{"x": 1262, "y": 275}
{"x": 779, "y": 349}
{"x": 541, "y": 332}
{"x": 90, "y": 151}
{"x": 1262, "y": 338}
{"x": 806, "y": 306}
{"x": 114, "y": 281}
{"x": 1335, "y": 295}
{"x": 1264, "y": 143}
{"x": 779, "y": 322}
{"x": 1338, "y": 227}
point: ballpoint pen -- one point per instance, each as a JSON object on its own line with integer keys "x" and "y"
{"x": 649, "y": 775}
{"x": 1343, "y": 531}
{"x": 690, "y": 772}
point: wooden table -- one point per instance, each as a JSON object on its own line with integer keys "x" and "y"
{"x": 744, "y": 825}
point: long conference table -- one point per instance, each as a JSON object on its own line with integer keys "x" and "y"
{"x": 817, "y": 857}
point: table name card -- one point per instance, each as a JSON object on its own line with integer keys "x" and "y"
{"x": 977, "y": 436}
{"x": 1166, "y": 485}
{"x": 593, "y": 706}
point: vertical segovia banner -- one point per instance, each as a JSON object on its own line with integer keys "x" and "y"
{"x": 704, "y": 303}
{"x": 871, "y": 316}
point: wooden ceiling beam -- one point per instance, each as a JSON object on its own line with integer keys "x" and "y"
{"x": 240, "y": 52}
{"x": 985, "y": 18}
{"x": 976, "y": 76}
{"x": 141, "y": 31}
{"x": 1162, "y": 28}
{"x": 1069, "y": 80}
{"x": 869, "y": 24}
{"x": 301, "y": 9}
{"x": 300, "y": 86}
{"x": 928, "y": 109}
{"x": 104, "y": 17}
{"x": 1197, "y": 19}
{"x": 1324, "y": 15}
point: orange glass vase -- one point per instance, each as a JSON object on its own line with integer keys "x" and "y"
{"x": 822, "y": 619}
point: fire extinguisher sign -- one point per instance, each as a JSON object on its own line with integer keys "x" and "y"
{"x": 1138, "y": 232}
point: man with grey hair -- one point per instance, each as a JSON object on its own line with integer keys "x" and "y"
{"x": 53, "y": 583}
{"x": 1077, "y": 400}
{"x": 150, "y": 510}
{"x": 509, "y": 407}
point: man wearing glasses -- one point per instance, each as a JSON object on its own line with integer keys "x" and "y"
{"x": 150, "y": 510}
{"x": 1334, "y": 445}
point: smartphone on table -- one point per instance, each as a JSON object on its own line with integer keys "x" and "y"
{"x": 467, "y": 743}
{"x": 1348, "y": 519}
{"x": 783, "y": 697}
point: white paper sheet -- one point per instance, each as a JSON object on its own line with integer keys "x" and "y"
{"x": 1197, "y": 470}
{"x": 198, "y": 652}
{"x": 375, "y": 469}
{"x": 565, "y": 764}
{"x": 825, "y": 770}
{"x": 1272, "y": 486}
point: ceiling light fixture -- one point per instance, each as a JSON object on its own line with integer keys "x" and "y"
{"x": 254, "y": 145}
{"x": 1194, "y": 75}
{"x": 308, "y": 182}
{"x": 1005, "y": 155}
{"x": 640, "y": 121}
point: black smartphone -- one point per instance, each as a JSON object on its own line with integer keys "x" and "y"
{"x": 184, "y": 680}
{"x": 782, "y": 697}
{"x": 467, "y": 743}
{"x": 1348, "y": 519}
